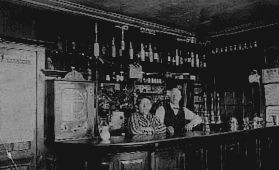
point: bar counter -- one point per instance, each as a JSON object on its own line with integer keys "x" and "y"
{"x": 243, "y": 149}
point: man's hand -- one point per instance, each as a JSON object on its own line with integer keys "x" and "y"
{"x": 170, "y": 130}
{"x": 189, "y": 126}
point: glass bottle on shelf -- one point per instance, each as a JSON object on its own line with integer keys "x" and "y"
{"x": 181, "y": 60}
{"x": 59, "y": 44}
{"x": 188, "y": 59}
{"x": 192, "y": 59}
{"x": 150, "y": 53}
{"x": 156, "y": 55}
{"x": 173, "y": 60}
{"x": 146, "y": 53}
{"x": 176, "y": 58}
{"x": 120, "y": 54}
{"x": 142, "y": 53}
{"x": 113, "y": 48}
{"x": 131, "y": 53}
{"x": 96, "y": 44}
{"x": 197, "y": 60}
{"x": 204, "y": 61}
{"x": 169, "y": 62}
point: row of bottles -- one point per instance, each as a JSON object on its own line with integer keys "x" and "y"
{"x": 71, "y": 54}
{"x": 189, "y": 59}
{"x": 235, "y": 47}
{"x": 152, "y": 80}
{"x": 182, "y": 76}
{"x": 89, "y": 55}
{"x": 149, "y": 53}
{"x": 115, "y": 76}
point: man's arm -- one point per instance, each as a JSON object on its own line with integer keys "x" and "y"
{"x": 194, "y": 118}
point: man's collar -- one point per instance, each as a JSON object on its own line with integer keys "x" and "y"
{"x": 174, "y": 106}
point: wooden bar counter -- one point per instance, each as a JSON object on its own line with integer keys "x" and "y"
{"x": 253, "y": 149}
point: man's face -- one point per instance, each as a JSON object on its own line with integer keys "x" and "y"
{"x": 175, "y": 96}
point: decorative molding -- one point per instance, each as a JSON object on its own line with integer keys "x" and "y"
{"x": 241, "y": 29}
{"x": 62, "y": 5}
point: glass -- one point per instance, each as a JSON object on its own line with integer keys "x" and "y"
{"x": 104, "y": 129}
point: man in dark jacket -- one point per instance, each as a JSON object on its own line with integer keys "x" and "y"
{"x": 177, "y": 118}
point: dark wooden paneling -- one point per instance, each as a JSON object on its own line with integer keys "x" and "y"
{"x": 166, "y": 160}
{"x": 131, "y": 161}
{"x": 16, "y": 21}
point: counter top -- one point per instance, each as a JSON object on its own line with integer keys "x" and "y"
{"x": 137, "y": 140}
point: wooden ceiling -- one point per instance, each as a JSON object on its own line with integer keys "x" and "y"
{"x": 198, "y": 16}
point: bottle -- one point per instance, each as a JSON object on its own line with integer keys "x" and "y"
{"x": 205, "y": 103}
{"x": 146, "y": 53}
{"x": 218, "y": 109}
{"x": 169, "y": 59}
{"x": 142, "y": 53}
{"x": 181, "y": 60}
{"x": 59, "y": 44}
{"x": 150, "y": 54}
{"x": 174, "y": 60}
{"x": 192, "y": 59}
{"x": 156, "y": 55}
{"x": 96, "y": 44}
{"x": 189, "y": 59}
{"x": 113, "y": 76}
{"x": 177, "y": 57}
{"x": 212, "y": 109}
{"x": 131, "y": 52}
{"x": 197, "y": 61}
{"x": 204, "y": 61}
{"x": 122, "y": 40}
{"x": 104, "y": 51}
{"x": 113, "y": 48}
{"x": 255, "y": 44}
{"x": 120, "y": 54}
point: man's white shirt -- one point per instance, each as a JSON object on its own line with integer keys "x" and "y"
{"x": 189, "y": 115}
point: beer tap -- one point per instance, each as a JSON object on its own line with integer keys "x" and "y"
{"x": 218, "y": 109}
{"x": 206, "y": 115}
{"x": 212, "y": 109}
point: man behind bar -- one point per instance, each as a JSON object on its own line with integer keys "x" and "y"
{"x": 176, "y": 118}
